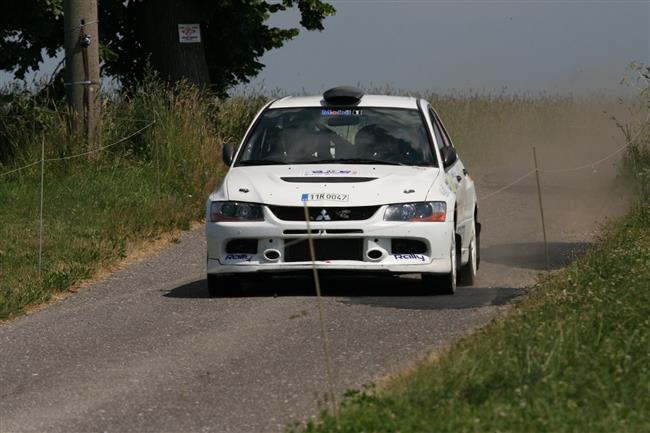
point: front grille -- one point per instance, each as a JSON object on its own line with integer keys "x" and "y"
{"x": 317, "y": 213}
{"x": 325, "y": 249}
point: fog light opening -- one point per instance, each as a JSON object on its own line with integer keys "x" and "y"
{"x": 272, "y": 255}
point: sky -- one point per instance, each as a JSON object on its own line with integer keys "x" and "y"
{"x": 522, "y": 46}
{"x": 456, "y": 45}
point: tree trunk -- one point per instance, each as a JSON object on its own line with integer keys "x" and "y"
{"x": 172, "y": 59}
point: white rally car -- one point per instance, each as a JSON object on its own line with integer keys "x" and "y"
{"x": 377, "y": 176}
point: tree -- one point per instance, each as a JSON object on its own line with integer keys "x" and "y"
{"x": 134, "y": 33}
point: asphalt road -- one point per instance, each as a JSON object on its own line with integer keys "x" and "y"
{"x": 146, "y": 350}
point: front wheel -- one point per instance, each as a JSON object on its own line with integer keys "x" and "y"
{"x": 468, "y": 271}
{"x": 443, "y": 284}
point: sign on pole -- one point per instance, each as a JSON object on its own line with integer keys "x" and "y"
{"x": 189, "y": 33}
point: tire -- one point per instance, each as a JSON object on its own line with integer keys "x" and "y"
{"x": 478, "y": 243}
{"x": 467, "y": 273}
{"x": 443, "y": 284}
{"x": 219, "y": 285}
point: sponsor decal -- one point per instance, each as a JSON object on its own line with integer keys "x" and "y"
{"x": 344, "y": 214}
{"x": 237, "y": 258}
{"x": 450, "y": 182}
{"x": 324, "y": 196}
{"x": 348, "y": 112}
{"x": 444, "y": 190}
{"x": 419, "y": 257}
{"x": 326, "y": 173}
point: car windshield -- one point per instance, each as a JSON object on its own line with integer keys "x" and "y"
{"x": 321, "y": 135}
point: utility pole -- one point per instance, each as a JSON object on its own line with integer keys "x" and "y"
{"x": 81, "y": 45}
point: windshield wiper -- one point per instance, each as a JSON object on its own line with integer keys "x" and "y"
{"x": 261, "y": 162}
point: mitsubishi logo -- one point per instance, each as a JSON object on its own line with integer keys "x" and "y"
{"x": 323, "y": 216}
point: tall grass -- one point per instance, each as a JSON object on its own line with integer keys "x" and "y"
{"x": 636, "y": 161}
{"x": 184, "y": 143}
{"x": 191, "y": 125}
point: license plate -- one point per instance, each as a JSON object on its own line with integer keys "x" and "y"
{"x": 324, "y": 196}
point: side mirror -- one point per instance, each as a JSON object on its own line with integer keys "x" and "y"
{"x": 228, "y": 153}
{"x": 449, "y": 156}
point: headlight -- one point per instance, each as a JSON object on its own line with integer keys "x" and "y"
{"x": 235, "y": 211}
{"x": 422, "y": 211}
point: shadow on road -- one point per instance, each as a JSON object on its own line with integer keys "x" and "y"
{"x": 382, "y": 291}
{"x": 404, "y": 292}
{"x": 530, "y": 255}
{"x": 465, "y": 297}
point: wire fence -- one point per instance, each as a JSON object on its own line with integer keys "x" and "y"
{"x": 42, "y": 162}
{"x": 78, "y": 155}
{"x": 592, "y": 164}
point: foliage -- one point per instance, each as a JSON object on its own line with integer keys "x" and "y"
{"x": 29, "y": 29}
{"x": 236, "y": 35}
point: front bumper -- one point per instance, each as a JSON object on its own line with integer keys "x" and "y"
{"x": 375, "y": 234}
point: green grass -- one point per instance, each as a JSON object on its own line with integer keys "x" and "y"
{"x": 574, "y": 356}
{"x": 90, "y": 218}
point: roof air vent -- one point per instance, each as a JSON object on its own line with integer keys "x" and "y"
{"x": 344, "y": 95}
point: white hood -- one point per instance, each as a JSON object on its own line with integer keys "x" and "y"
{"x": 329, "y": 184}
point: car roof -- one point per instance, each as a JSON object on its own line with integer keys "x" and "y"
{"x": 366, "y": 101}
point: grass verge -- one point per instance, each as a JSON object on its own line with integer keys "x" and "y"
{"x": 574, "y": 356}
{"x": 90, "y": 219}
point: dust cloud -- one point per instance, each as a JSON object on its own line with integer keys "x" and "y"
{"x": 578, "y": 196}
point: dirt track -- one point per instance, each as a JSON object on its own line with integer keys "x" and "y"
{"x": 146, "y": 350}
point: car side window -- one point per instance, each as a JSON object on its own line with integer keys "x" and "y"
{"x": 445, "y": 136}
{"x": 436, "y": 130}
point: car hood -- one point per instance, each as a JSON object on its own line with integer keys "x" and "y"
{"x": 330, "y": 185}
